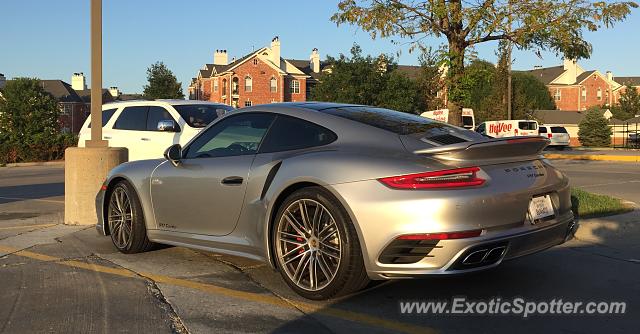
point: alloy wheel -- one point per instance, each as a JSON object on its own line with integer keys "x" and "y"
{"x": 308, "y": 244}
{"x": 120, "y": 217}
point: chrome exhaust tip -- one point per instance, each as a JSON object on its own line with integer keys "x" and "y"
{"x": 475, "y": 257}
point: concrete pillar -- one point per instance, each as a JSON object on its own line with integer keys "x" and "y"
{"x": 85, "y": 169}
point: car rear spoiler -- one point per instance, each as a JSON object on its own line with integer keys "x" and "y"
{"x": 498, "y": 150}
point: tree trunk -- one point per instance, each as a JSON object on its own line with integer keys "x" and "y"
{"x": 454, "y": 82}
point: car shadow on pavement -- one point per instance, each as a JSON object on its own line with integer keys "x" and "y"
{"x": 601, "y": 265}
{"x": 10, "y": 194}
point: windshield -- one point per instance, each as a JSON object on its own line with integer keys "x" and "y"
{"x": 200, "y": 115}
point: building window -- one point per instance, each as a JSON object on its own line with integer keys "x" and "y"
{"x": 215, "y": 84}
{"x": 295, "y": 87}
{"x": 247, "y": 103}
{"x": 584, "y": 94}
{"x": 234, "y": 86}
{"x": 248, "y": 84}
{"x": 599, "y": 94}
{"x": 255, "y": 61}
{"x": 558, "y": 94}
{"x": 273, "y": 84}
{"x": 65, "y": 109}
{"x": 224, "y": 86}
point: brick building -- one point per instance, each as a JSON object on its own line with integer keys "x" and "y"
{"x": 574, "y": 88}
{"x": 259, "y": 77}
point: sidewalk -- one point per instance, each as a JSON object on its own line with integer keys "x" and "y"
{"x": 595, "y": 154}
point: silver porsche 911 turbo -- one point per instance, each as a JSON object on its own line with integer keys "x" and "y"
{"x": 336, "y": 195}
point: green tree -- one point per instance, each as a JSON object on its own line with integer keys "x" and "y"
{"x": 429, "y": 82}
{"x": 29, "y": 128}
{"x": 629, "y": 102}
{"x": 529, "y": 94}
{"x": 366, "y": 80}
{"x": 594, "y": 130}
{"x": 27, "y": 110}
{"x": 162, "y": 83}
{"x": 478, "y": 90}
{"x": 529, "y": 24}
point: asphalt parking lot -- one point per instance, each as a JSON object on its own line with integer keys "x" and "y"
{"x": 69, "y": 279}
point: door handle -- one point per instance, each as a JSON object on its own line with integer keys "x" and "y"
{"x": 145, "y": 139}
{"x": 232, "y": 180}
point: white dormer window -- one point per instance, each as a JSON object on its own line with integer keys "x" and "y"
{"x": 599, "y": 94}
{"x": 558, "y": 95}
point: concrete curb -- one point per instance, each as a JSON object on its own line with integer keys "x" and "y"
{"x": 41, "y": 163}
{"x": 625, "y": 158}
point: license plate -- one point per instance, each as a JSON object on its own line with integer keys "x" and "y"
{"x": 540, "y": 207}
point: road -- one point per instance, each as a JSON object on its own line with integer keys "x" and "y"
{"x": 72, "y": 280}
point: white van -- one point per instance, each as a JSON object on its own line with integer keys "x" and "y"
{"x": 510, "y": 128}
{"x": 442, "y": 115}
{"x": 147, "y": 128}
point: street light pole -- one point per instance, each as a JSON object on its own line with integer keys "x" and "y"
{"x": 509, "y": 47}
{"x": 96, "y": 76}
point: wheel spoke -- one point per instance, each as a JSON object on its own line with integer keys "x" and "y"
{"x": 293, "y": 222}
{"x": 296, "y": 257}
{"x": 305, "y": 217}
{"x": 324, "y": 267}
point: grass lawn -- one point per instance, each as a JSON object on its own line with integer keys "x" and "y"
{"x": 595, "y": 205}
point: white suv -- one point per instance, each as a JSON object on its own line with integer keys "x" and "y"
{"x": 147, "y": 128}
{"x": 558, "y": 135}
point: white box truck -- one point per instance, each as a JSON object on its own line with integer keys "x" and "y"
{"x": 442, "y": 115}
{"x": 508, "y": 128}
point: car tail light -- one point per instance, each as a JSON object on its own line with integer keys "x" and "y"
{"x": 441, "y": 236}
{"x": 452, "y": 178}
{"x": 550, "y": 135}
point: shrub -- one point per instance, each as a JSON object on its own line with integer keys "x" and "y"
{"x": 594, "y": 130}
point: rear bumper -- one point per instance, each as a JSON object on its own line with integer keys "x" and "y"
{"x": 474, "y": 254}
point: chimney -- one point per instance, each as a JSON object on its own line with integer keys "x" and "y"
{"x": 114, "y": 91}
{"x": 220, "y": 57}
{"x": 571, "y": 66}
{"x": 609, "y": 76}
{"x": 314, "y": 61}
{"x": 275, "y": 51}
{"x": 3, "y": 80}
{"x": 78, "y": 81}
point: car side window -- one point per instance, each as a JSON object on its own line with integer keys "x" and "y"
{"x": 543, "y": 129}
{"x": 157, "y": 114}
{"x": 106, "y": 116}
{"x": 236, "y": 135}
{"x": 291, "y": 133}
{"x": 132, "y": 118}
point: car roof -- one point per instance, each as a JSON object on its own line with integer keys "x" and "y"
{"x": 171, "y": 102}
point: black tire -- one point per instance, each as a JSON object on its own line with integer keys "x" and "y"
{"x": 350, "y": 275}
{"x": 138, "y": 241}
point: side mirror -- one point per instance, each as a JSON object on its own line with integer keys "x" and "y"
{"x": 168, "y": 125}
{"x": 174, "y": 154}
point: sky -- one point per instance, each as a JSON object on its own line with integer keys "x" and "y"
{"x": 50, "y": 39}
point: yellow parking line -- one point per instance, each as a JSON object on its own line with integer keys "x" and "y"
{"x": 627, "y": 158}
{"x": 26, "y": 226}
{"x": 249, "y": 296}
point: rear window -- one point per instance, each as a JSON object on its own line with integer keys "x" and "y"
{"x": 390, "y": 120}
{"x": 543, "y": 129}
{"x": 558, "y": 129}
{"x": 290, "y": 133}
{"x": 467, "y": 120}
{"x": 200, "y": 115}
{"x": 106, "y": 116}
{"x": 527, "y": 125}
